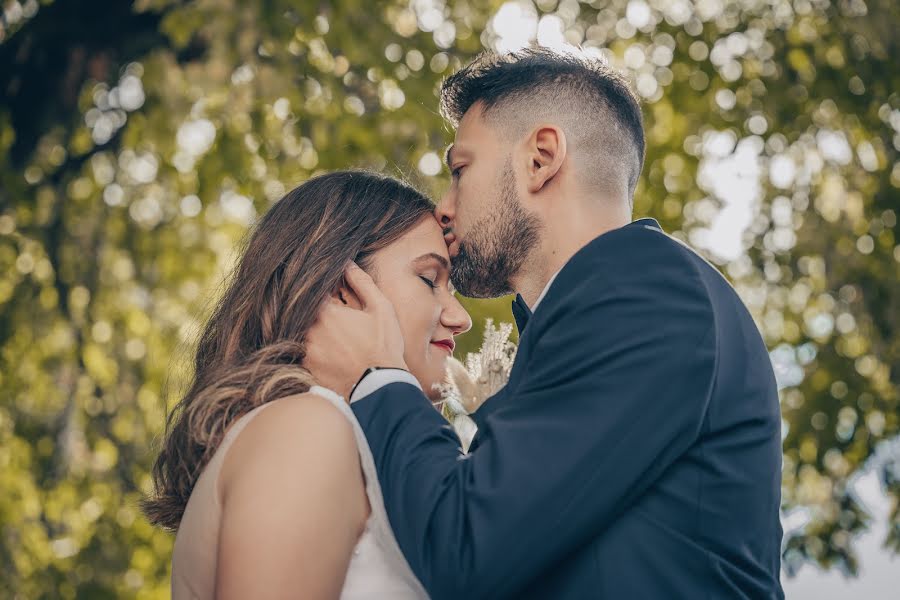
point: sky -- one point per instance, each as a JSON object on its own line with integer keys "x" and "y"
{"x": 879, "y": 571}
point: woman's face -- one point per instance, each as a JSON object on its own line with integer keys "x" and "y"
{"x": 413, "y": 273}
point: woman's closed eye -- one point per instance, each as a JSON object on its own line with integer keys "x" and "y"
{"x": 428, "y": 282}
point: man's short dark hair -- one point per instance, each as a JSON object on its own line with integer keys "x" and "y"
{"x": 603, "y": 113}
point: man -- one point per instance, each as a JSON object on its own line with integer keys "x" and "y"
{"x": 636, "y": 450}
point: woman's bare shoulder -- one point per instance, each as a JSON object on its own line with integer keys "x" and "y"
{"x": 291, "y": 437}
{"x": 293, "y": 500}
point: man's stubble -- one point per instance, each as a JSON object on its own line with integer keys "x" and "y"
{"x": 496, "y": 246}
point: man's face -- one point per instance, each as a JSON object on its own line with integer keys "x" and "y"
{"x": 488, "y": 232}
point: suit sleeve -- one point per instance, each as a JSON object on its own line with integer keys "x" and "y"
{"x": 615, "y": 389}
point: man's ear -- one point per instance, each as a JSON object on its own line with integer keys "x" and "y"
{"x": 546, "y": 151}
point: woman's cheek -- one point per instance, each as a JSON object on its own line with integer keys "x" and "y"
{"x": 416, "y": 334}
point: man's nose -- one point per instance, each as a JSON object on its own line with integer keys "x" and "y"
{"x": 443, "y": 212}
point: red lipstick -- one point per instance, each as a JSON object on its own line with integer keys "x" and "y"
{"x": 449, "y": 344}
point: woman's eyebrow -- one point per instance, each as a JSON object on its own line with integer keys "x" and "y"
{"x": 432, "y": 256}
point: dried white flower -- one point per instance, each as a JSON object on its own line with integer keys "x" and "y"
{"x": 484, "y": 373}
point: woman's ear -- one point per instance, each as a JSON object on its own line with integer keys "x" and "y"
{"x": 346, "y": 296}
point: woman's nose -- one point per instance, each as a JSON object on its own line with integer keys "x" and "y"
{"x": 456, "y": 318}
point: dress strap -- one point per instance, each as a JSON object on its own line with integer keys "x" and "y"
{"x": 380, "y": 524}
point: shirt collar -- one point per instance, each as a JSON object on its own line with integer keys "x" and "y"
{"x": 544, "y": 293}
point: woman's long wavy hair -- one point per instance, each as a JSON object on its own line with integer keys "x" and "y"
{"x": 251, "y": 351}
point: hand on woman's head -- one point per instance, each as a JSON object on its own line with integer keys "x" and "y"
{"x": 402, "y": 313}
{"x": 355, "y": 329}
{"x": 413, "y": 273}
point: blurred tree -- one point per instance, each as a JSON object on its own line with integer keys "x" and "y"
{"x": 141, "y": 139}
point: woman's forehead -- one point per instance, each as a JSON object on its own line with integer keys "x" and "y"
{"x": 426, "y": 237}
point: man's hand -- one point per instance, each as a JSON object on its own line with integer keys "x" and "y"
{"x": 345, "y": 341}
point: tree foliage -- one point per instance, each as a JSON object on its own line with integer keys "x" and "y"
{"x": 141, "y": 139}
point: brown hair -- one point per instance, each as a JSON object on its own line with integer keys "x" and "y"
{"x": 251, "y": 351}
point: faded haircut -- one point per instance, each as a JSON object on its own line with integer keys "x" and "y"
{"x": 593, "y": 104}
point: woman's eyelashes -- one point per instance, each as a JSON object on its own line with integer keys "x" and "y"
{"x": 428, "y": 282}
{"x": 455, "y": 173}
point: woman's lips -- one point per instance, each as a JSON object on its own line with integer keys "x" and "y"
{"x": 447, "y": 345}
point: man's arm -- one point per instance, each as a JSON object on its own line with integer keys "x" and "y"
{"x": 615, "y": 390}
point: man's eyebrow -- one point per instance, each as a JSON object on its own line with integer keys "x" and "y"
{"x": 448, "y": 156}
{"x": 433, "y": 256}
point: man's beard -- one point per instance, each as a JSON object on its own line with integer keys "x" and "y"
{"x": 497, "y": 246}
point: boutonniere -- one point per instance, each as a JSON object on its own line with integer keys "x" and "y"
{"x": 482, "y": 374}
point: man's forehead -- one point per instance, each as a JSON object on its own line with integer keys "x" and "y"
{"x": 469, "y": 131}
{"x": 473, "y": 119}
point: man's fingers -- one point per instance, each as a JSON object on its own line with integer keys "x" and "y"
{"x": 363, "y": 286}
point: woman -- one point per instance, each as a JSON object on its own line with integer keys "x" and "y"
{"x": 266, "y": 476}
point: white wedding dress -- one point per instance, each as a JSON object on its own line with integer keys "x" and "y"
{"x": 377, "y": 568}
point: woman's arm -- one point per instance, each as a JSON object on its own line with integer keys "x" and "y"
{"x": 293, "y": 504}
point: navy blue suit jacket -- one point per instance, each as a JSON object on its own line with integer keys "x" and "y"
{"x": 634, "y": 453}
